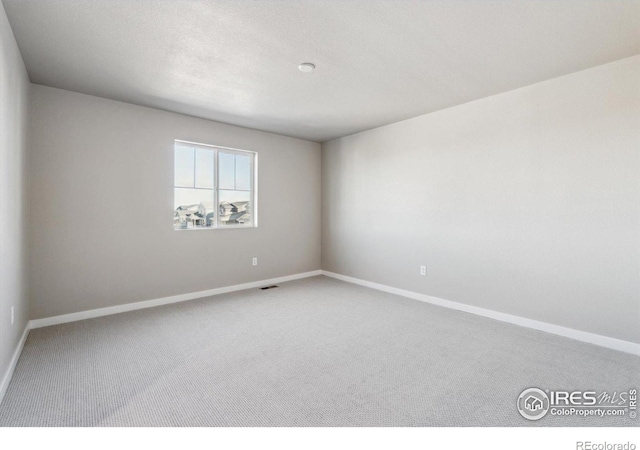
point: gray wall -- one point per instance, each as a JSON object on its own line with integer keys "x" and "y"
{"x": 526, "y": 203}
{"x": 101, "y": 206}
{"x": 14, "y": 106}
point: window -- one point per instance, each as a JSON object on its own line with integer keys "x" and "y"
{"x": 214, "y": 187}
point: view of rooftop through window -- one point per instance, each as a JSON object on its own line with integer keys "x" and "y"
{"x": 212, "y": 187}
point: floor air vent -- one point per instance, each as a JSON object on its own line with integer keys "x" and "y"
{"x": 269, "y": 287}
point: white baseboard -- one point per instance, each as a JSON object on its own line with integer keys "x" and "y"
{"x": 4, "y": 385}
{"x": 596, "y": 339}
{"x": 90, "y": 314}
{"x": 603, "y": 341}
{"x": 65, "y": 318}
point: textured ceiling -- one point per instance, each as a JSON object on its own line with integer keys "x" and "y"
{"x": 378, "y": 61}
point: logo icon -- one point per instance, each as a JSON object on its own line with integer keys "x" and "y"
{"x": 533, "y": 404}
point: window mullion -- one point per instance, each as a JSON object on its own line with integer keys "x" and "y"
{"x": 216, "y": 177}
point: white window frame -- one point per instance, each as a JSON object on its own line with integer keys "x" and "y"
{"x": 253, "y": 196}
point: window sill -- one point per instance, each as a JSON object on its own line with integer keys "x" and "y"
{"x": 228, "y": 227}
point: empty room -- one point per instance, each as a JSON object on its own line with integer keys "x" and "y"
{"x": 328, "y": 214}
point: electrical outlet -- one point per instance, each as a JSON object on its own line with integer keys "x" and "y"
{"x": 255, "y": 261}
{"x": 13, "y": 317}
{"x": 423, "y": 271}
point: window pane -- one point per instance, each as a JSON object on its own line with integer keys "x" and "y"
{"x": 234, "y": 207}
{"x": 183, "y": 167}
{"x": 243, "y": 172}
{"x": 204, "y": 168}
{"x": 193, "y": 208}
{"x": 226, "y": 171}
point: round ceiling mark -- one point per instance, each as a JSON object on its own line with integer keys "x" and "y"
{"x": 306, "y": 67}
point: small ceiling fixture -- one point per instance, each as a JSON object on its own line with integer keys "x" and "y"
{"x": 306, "y": 67}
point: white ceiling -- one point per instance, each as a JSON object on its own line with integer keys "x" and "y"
{"x": 378, "y": 61}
